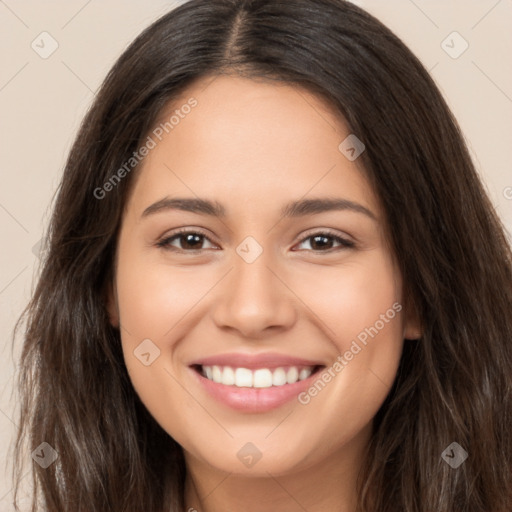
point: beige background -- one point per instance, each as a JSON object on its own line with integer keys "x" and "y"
{"x": 43, "y": 100}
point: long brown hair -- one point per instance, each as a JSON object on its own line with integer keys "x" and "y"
{"x": 453, "y": 385}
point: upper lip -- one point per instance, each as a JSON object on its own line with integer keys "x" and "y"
{"x": 264, "y": 360}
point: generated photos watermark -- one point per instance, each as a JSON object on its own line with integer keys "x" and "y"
{"x": 143, "y": 151}
{"x": 342, "y": 360}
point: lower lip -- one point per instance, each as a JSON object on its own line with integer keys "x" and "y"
{"x": 254, "y": 399}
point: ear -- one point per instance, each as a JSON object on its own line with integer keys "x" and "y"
{"x": 111, "y": 304}
{"x": 413, "y": 329}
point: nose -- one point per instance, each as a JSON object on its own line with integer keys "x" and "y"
{"x": 254, "y": 299}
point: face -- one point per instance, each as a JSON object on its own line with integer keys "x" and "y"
{"x": 259, "y": 305}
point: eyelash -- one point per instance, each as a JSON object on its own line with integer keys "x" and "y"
{"x": 165, "y": 242}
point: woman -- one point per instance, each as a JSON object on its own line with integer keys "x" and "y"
{"x": 341, "y": 342}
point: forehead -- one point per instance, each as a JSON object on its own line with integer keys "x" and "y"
{"x": 244, "y": 140}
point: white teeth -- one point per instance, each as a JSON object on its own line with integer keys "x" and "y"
{"x": 217, "y": 374}
{"x": 304, "y": 373}
{"x": 228, "y": 376}
{"x": 243, "y": 378}
{"x": 279, "y": 377}
{"x": 260, "y": 378}
{"x": 292, "y": 375}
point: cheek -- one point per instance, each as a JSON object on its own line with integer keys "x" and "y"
{"x": 153, "y": 298}
{"x": 358, "y": 307}
{"x": 154, "y": 302}
{"x": 349, "y": 298}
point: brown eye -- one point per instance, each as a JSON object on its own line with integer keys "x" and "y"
{"x": 188, "y": 241}
{"x": 323, "y": 241}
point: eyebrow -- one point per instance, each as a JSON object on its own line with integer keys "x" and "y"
{"x": 297, "y": 208}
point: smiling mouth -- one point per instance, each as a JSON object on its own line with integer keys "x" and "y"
{"x": 240, "y": 377}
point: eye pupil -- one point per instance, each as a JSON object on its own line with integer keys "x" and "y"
{"x": 191, "y": 238}
{"x": 323, "y": 244}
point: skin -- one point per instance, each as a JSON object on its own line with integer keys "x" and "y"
{"x": 254, "y": 146}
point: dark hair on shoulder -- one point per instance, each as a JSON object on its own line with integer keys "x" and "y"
{"x": 453, "y": 384}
